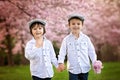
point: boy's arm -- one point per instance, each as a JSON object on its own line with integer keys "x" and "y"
{"x": 91, "y": 51}
{"x": 30, "y": 51}
{"x": 53, "y": 56}
{"x": 61, "y": 56}
{"x": 97, "y": 64}
{"x": 62, "y": 52}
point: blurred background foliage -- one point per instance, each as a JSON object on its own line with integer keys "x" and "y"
{"x": 102, "y": 25}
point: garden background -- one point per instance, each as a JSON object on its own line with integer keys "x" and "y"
{"x": 102, "y": 25}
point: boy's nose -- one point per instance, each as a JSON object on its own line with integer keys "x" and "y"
{"x": 76, "y": 24}
{"x": 38, "y": 29}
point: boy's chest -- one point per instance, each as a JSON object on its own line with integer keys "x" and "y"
{"x": 77, "y": 44}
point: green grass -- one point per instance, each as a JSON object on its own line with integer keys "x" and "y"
{"x": 15, "y": 73}
{"x": 111, "y": 71}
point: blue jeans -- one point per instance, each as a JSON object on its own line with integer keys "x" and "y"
{"x": 81, "y": 76}
{"x": 37, "y": 78}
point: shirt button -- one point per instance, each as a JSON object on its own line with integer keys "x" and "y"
{"x": 78, "y": 50}
{"x": 45, "y": 61}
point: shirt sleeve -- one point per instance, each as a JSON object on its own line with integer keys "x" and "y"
{"x": 30, "y": 51}
{"x": 53, "y": 56}
{"x": 62, "y": 52}
{"x": 91, "y": 51}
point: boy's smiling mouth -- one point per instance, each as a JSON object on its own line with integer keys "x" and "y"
{"x": 38, "y": 33}
{"x": 76, "y": 28}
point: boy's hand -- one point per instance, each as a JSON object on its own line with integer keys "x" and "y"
{"x": 61, "y": 67}
{"x": 97, "y": 66}
{"x": 58, "y": 69}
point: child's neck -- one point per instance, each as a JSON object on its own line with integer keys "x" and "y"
{"x": 39, "y": 38}
{"x": 39, "y": 42}
{"x": 76, "y": 35}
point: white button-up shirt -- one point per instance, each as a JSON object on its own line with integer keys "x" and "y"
{"x": 79, "y": 52}
{"x": 41, "y": 58}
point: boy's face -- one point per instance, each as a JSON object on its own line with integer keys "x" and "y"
{"x": 37, "y": 31}
{"x": 75, "y": 25}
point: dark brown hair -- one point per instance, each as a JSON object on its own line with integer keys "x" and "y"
{"x": 75, "y": 17}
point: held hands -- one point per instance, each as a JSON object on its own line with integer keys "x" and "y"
{"x": 97, "y": 66}
{"x": 61, "y": 67}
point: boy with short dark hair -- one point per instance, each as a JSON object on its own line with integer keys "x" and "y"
{"x": 40, "y": 52}
{"x": 79, "y": 50}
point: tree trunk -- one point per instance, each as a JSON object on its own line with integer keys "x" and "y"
{"x": 1, "y": 60}
{"x": 9, "y": 47}
{"x": 23, "y": 59}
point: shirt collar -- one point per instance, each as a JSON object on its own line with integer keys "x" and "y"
{"x": 33, "y": 39}
{"x": 80, "y": 34}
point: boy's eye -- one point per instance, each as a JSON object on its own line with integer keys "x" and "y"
{"x": 34, "y": 28}
{"x": 73, "y": 23}
{"x": 39, "y": 27}
{"x": 78, "y": 23}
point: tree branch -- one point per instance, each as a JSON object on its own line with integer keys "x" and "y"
{"x": 20, "y": 8}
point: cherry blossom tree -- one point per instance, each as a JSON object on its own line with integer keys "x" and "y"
{"x": 102, "y": 19}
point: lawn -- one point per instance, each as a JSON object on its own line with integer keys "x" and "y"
{"x": 111, "y": 71}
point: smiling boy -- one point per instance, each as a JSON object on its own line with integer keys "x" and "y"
{"x": 40, "y": 52}
{"x": 78, "y": 48}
